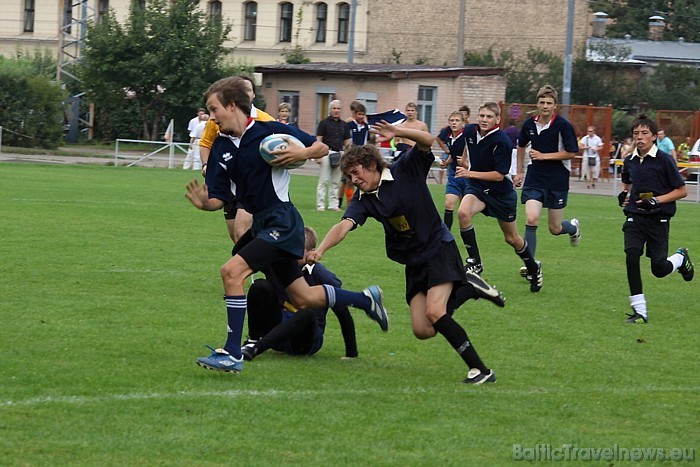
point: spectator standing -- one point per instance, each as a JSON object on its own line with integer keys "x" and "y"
{"x": 193, "y": 159}
{"x": 591, "y": 144}
{"x": 666, "y": 144}
{"x": 334, "y": 133}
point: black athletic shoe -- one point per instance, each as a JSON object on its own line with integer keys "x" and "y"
{"x": 249, "y": 352}
{"x": 484, "y": 290}
{"x": 476, "y": 377}
{"x": 536, "y": 280}
{"x": 473, "y": 265}
{"x": 636, "y": 318}
{"x": 687, "y": 269}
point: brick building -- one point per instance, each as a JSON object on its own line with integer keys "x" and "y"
{"x": 420, "y": 31}
{"x": 437, "y": 90}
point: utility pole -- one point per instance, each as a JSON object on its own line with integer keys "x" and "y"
{"x": 460, "y": 32}
{"x": 568, "y": 60}
{"x": 351, "y": 35}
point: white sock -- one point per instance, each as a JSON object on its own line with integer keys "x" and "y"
{"x": 677, "y": 260}
{"x": 639, "y": 304}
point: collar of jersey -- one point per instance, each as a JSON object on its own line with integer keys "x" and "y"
{"x": 652, "y": 152}
{"x": 386, "y": 176}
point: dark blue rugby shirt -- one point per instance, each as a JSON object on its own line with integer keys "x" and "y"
{"x": 491, "y": 153}
{"x": 236, "y": 168}
{"x": 413, "y": 227}
{"x": 557, "y": 136}
{"x": 358, "y": 133}
{"x": 657, "y": 173}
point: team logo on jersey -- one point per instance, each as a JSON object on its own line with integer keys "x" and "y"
{"x": 227, "y": 156}
{"x": 400, "y": 224}
{"x": 274, "y": 234}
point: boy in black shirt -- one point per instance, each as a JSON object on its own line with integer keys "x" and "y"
{"x": 651, "y": 184}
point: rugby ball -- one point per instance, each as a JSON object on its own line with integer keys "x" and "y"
{"x": 277, "y": 141}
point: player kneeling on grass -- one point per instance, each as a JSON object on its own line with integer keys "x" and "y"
{"x": 274, "y": 323}
{"x": 415, "y": 236}
{"x": 276, "y": 238}
{"x": 651, "y": 185}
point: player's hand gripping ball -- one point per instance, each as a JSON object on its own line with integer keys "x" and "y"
{"x": 279, "y": 141}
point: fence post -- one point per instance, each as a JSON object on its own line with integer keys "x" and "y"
{"x": 171, "y": 131}
{"x": 0, "y": 139}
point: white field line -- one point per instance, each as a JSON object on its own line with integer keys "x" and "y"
{"x": 275, "y": 393}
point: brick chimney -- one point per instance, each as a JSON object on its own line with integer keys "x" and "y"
{"x": 600, "y": 23}
{"x": 656, "y": 28}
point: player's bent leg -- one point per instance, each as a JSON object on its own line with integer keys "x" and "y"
{"x": 420, "y": 324}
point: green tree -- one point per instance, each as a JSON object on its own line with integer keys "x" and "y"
{"x": 30, "y": 114}
{"x": 682, "y": 17}
{"x": 523, "y": 76}
{"x": 605, "y": 80}
{"x": 670, "y": 87}
{"x": 160, "y": 60}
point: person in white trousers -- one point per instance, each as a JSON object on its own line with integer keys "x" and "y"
{"x": 193, "y": 160}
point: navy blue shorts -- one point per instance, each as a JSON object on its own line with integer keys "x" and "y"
{"x": 549, "y": 199}
{"x": 502, "y": 206}
{"x": 445, "y": 266}
{"x": 281, "y": 226}
{"x": 456, "y": 186}
{"x": 651, "y": 231}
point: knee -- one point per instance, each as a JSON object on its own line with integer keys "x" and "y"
{"x": 464, "y": 218}
{"x": 513, "y": 240}
{"x": 531, "y": 220}
{"x": 230, "y": 276}
{"x": 554, "y": 229}
{"x": 661, "y": 267}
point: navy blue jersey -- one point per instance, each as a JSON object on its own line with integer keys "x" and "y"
{"x": 236, "y": 168}
{"x": 657, "y": 174}
{"x": 491, "y": 153}
{"x": 455, "y": 143}
{"x": 557, "y": 135}
{"x": 413, "y": 228}
{"x": 358, "y": 133}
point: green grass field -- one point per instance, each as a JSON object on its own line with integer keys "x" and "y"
{"x": 109, "y": 287}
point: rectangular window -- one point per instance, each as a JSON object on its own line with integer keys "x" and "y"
{"x": 321, "y": 22}
{"x": 343, "y": 22}
{"x": 28, "y": 15}
{"x": 215, "y": 10}
{"x": 67, "y": 16}
{"x": 292, "y": 98}
{"x": 102, "y": 9}
{"x": 426, "y": 105}
{"x": 286, "y": 16}
{"x": 251, "y": 14}
{"x": 369, "y": 99}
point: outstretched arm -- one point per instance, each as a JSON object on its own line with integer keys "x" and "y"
{"x": 332, "y": 238}
{"x": 199, "y": 197}
{"x": 387, "y": 131}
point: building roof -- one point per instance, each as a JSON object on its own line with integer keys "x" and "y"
{"x": 393, "y": 71}
{"x": 650, "y": 52}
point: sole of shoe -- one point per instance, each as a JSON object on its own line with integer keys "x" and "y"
{"x": 490, "y": 378}
{"x": 222, "y": 370}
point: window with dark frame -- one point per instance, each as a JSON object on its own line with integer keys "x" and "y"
{"x": 67, "y": 16}
{"x": 102, "y": 9}
{"x": 321, "y": 21}
{"x": 29, "y": 15}
{"x": 214, "y": 10}
{"x": 343, "y": 22}
{"x": 251, "y": 14}
{"x": 286, "y": 16}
